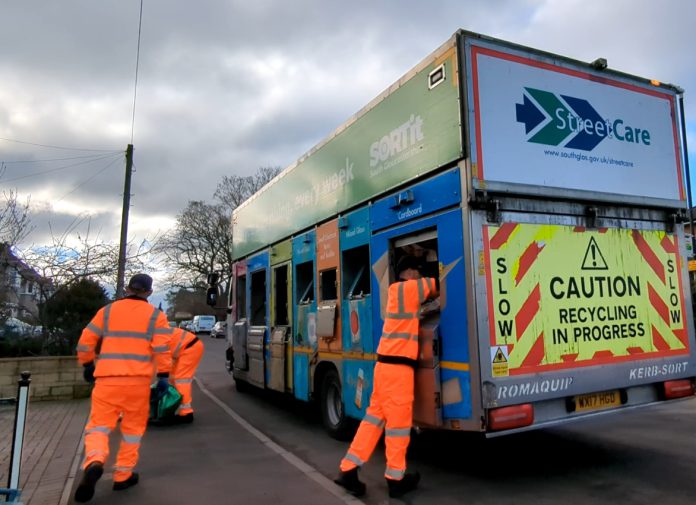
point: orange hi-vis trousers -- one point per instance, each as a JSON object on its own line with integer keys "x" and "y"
{"x": 182, "y": 375}
{"x": 109, "y": 402}
{"x": 391, "y": 406}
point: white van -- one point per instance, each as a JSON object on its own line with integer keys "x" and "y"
{"x": 202, "y": 324}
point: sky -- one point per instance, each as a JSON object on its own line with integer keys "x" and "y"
{"x": 227, "y": 86}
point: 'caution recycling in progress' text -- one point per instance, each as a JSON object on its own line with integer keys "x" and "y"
{"x": 563, "y": 296}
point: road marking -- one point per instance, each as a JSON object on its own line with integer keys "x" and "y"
{"x": 291, "y": 458}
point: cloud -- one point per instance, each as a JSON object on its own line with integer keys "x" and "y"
{"x": 227, "y": 87}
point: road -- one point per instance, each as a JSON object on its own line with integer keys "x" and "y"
{"x": 643, "y": 457}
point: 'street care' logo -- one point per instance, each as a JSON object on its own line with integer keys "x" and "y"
{"x": 561, "y": 120}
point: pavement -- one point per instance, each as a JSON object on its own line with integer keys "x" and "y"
{"x": 220, "y": 458}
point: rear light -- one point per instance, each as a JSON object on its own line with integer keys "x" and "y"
{"x": 506, "y": 418}
{"x": 678, "y": 389}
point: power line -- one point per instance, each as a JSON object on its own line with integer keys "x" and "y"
{"x": 87, "y": 180}
{"x": 58, "y": 147}
{"x": 95, "y": 156}
{"x": 57, "y": 169}
{"x": 137, "y": 64}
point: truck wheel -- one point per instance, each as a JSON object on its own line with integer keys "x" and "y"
{"x": 333, "y": 415}
{"x": 242, "y": 386}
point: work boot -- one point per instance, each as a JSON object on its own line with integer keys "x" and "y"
{"x": 85, "y": 489}
{"x": 125, "y": 484}
{"x": 185, "y": 419}
{"x": 349, "y": 480}
{"x": 398, "y": 488}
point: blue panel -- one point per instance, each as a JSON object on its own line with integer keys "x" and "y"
{"x": 301, "y": 376}
{"x": 258, "y": 261}
{"x": 453, "y": 318}
{"x": 357, "y": 324}
{"x": 453, "y": 322}
{"x": 254, "y": 264}
{"x": 417, "y": 201}
{"x": 357, "y": 386}
{"x": 303, "y": 247}
{"x": 354, "y": 228}
{"x": 462, "y": 409}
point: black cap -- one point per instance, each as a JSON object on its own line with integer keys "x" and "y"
{"x": 140, "y": 282}
{"x": 408, "y": 262}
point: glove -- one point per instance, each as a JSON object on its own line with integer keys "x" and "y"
{"x": 88, "y": 372}
{"x": 162, "y": 387}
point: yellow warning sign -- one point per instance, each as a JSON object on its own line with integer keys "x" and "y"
{"x": 692, "y": 265}
{"x": 499, "y": 361}
{"x": 564, "y": 296}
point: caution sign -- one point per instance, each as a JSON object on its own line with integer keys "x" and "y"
{"x": 499, "y": 361}
{"x": 564, "y": 297}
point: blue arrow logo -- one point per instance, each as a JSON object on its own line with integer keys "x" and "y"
{"x": 589, "y": 137}
{"x": 528, "y": 114}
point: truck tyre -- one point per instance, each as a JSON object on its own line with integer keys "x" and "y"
{"x": 242, "y": 386}
{"x": 333, "y": 414}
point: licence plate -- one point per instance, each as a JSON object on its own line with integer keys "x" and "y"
{"x": 597, "y": 401}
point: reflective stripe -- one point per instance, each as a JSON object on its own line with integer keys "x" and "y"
{"x": 100, "y": 429}
{"x": 185, "y": 406}
{"x": 400, "y": 298}
{"x": 183, "y": 381}
{"x": 151, "y": 324}
{"x": 123, "y": 468}
{"x": 405, "y": 336}
{"x": 94, "y": 329}
{"x": 160, "y": 348}
{"x": 394, "y": 474}
{"x": 131, "y": 439}
{"x": 84, "y": 348}
{"x": 128, "y": 334}
{"x": 134, "y": 357}
{"x": 421, "y": 290}
{"x": 354, "y": 459}
{"x": 162, "y": 331}
{"x": 107, "y": 312}
{"x": 397, "y": 432}
{"x": 175, "y": 354}
{"x": 405, "y": 315}
{"x": 373, "y": 420}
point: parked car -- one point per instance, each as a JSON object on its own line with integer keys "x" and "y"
{"x": 186, "y": 325}
{"x": 219, "y": 330}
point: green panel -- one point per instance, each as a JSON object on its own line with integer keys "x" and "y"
{"x": 411, "y": 131}
{"x": 281, "y": 252}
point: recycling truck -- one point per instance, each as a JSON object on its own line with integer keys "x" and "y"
{"x": 544, "y": 194}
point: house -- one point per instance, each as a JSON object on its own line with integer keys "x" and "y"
{"x": 20, "y": 287}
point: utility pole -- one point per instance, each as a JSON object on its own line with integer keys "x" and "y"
{"x": 124, "y": 223}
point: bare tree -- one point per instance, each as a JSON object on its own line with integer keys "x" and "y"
{"x": 233, "y": 190}
{"x": 73, "y": 256}
{"x": 14, "y": 216}
{"x": 201, "y": 241}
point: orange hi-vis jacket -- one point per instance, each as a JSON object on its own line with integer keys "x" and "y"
{"x": 400, "y": 331}
{"x": 179, "y": 340}
{"x": 130, "y": 334}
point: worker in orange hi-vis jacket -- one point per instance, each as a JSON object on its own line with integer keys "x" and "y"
{"x": 391, "y": 403}
{"x": 187, "y": 351}
{"x": 126, "y": 339}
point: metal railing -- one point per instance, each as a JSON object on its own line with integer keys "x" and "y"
{"x": 12, "y": 491}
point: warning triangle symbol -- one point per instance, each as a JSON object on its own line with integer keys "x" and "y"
{"x": 499, "y": 356}
{"x": 594, "y": 259}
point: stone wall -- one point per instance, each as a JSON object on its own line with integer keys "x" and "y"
{"x": 52, "y": 378}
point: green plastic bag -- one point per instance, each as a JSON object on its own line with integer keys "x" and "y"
{"x": 166, "y": 406}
